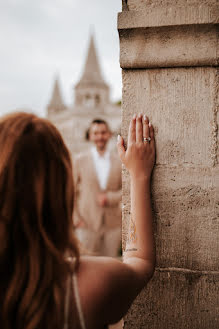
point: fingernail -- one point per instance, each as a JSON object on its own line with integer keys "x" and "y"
{"x": 149, "y": 124}
{"x": 139, "y": 115}
{"x": 118, "y": 138}
{"x": 134, "y": 117}
{"x": 145, "y": 117}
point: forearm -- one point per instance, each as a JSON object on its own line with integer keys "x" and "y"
{"x": 140, "y": 242}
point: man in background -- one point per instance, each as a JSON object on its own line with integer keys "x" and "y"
{"x": 97, "y": 177}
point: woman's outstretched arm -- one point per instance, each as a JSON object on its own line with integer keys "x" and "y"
{"x": 139, "y": 160}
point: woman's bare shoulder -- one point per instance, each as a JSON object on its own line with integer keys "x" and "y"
{"x": 97, "y": 272}
{"x": 103, "y": 281}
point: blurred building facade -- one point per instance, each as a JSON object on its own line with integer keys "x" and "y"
{"x": 91, "y": 101}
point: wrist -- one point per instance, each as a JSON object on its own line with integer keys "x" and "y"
{"x": 146, "y": 179}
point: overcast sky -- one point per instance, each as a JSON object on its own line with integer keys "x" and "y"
{"x": 42, "y": 38}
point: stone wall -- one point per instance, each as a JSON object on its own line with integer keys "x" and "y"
{"x": 169, "y": 61}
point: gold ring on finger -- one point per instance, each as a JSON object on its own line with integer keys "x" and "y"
{"x": 146, "y": 139}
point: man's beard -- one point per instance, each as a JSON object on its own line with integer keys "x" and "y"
{"x": 101, "y": 147}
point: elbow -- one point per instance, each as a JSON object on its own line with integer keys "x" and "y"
{"x": 152, "y": 264}
{"x": 150, "y": 270}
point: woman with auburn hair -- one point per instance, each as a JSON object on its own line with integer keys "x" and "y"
{"x": 44, "y": 282}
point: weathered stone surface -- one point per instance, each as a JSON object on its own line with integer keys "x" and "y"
{"x": 177, "y": 299}
{"x": 185, "y": 212}
{"x": 157, "y": 16}
{"x": 169, "y": 35}
{"x": 142, "y": 4}
{"x": 186, "y": 45}
{"x": 182, "y": 104}
{"x": 174, "y": 43}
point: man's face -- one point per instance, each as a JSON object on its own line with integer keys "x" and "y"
{"x": 99, "y": 135}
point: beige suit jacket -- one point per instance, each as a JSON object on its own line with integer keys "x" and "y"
{"x": 87, "y": 188}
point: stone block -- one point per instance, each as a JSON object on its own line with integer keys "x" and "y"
{"x": 169, "y": 36}
{"x": 142, "y": 4}
{"x": 186, "y": 217}
{"x": 177, "y": 299}
{"x": 182, "y": 105}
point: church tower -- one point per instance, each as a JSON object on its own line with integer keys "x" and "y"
{"x": 56, "y": 104}
{"x": 91, "y": 92}
{"x": 91, "y": 101}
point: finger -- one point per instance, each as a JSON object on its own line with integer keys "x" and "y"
{"x": 120, "y": 147}
{"x": 151, "y": 132}
{"x": 132, "y": 130}
{"x": 139, "y": 129}
{"x": 146, "y": 132}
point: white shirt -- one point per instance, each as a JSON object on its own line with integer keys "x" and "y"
{"x": 102, "y": 166}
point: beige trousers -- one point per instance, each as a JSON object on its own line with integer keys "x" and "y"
{"x": 104, "y": 243}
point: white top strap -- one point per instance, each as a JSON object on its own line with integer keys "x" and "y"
{"x": 78, "y": 302}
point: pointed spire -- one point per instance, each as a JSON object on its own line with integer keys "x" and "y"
{"x": 92, "y": 72}
{"x": 56, "y": 103}
{"x": 56, "y": 98}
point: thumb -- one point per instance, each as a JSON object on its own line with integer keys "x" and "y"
{"x": 120, "y": 147}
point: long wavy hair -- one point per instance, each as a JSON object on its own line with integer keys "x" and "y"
{"x": 36, "y": 228}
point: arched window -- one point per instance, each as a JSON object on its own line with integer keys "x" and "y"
{"x": 97, "y": 100}
{"x": 89, "y": 101}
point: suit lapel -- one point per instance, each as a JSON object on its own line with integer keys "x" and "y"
{"x": 93, "y": 172}
{"x": 111, "y": 172}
